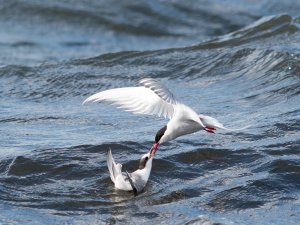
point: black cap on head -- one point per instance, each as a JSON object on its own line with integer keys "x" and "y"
{"x": 143, "y": 162}
{"x": 160, "y": 133}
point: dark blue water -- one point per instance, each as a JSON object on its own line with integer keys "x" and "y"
{"x": 238, "y": 61}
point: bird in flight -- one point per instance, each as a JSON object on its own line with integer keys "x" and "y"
{"x": 153, "y": 98}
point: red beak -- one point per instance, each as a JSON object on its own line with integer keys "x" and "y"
{"x": 153, "y": 149}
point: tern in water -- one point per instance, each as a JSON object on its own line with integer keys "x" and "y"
{"x": 135, "y": 181}
{"x": 153, "y": 98}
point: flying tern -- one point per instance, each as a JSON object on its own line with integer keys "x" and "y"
{"x": 135, "y": 181}
{"x": 153, "y": 98}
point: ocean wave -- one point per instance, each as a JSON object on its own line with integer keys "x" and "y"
{"x": 239, "y": 66}
{"x": 78, "y": 176}
{"x": 264, "y": 28}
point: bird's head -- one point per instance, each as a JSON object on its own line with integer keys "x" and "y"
{"x": 158, "y": 140}
{"x": 146, "y": 161}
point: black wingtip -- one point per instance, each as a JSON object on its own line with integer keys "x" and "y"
{"x": 132, "y": 184}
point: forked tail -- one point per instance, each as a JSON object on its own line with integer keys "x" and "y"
{"x": 212, "y": 124}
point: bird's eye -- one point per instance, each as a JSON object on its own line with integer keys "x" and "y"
{"x": 146, "y": 158}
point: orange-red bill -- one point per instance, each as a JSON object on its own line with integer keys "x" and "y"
{"x": 153, "y": 149}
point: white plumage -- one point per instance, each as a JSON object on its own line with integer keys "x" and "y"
{"x": 140, "y": 100}
{"x": 135, "y": 181}
{"x": 153, "y": 98}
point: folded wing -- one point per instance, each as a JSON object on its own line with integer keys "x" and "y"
{"x": 139, "y": 183}
{"x": 135, "y": 191}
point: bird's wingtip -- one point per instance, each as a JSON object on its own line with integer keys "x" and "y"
{"x": 85, "y": 101}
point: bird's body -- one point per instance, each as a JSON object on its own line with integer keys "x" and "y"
{"x": 153, "y": 98}
{"x": 135, "y": 181}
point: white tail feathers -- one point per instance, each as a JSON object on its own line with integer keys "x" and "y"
{"x": 211, "y": 122}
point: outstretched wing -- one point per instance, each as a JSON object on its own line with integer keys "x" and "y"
{"x": 114, "y": 169}
{"x": 161, "y": 90}
{"x": 150, "y": 99}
